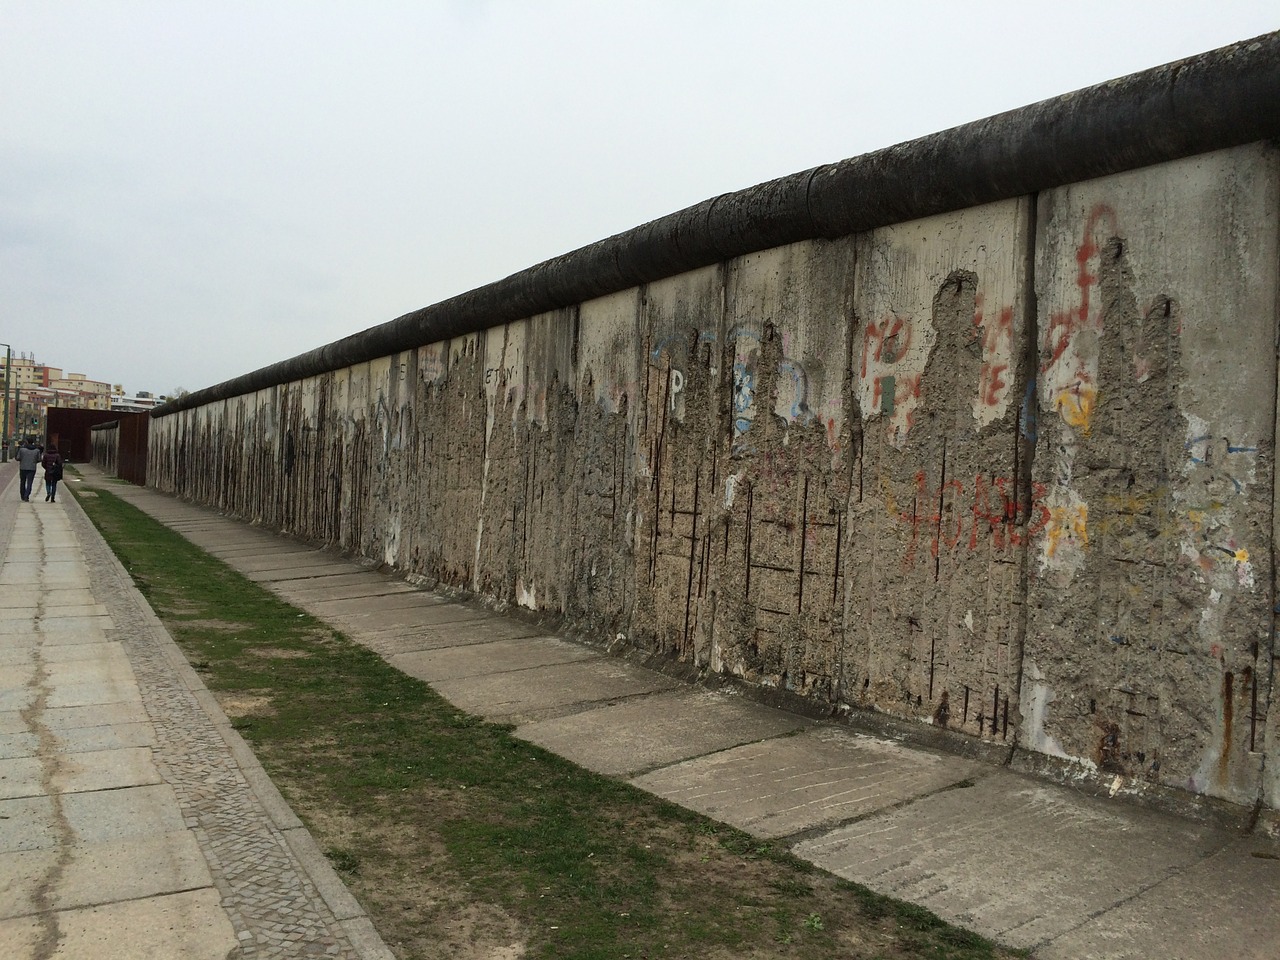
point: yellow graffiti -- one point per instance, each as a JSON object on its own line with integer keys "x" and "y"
{"x": 1072, "y": 522}
{"x": 890, "y": 502}
{"x": 1075, "y": 405}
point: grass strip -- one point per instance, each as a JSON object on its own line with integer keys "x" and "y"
{"x": 462, "y": 840}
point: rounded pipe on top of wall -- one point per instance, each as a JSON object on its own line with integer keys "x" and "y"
{"x": 1223, "y": 98}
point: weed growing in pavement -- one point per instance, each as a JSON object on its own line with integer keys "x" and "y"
{"x": 461, "y": 839}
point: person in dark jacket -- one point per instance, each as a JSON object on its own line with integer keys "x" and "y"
{"x": 52, "y": 462}
{"x": 28, "y": 459}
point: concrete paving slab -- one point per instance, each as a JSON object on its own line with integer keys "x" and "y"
{"x": 820, "y": 778}
{"x": 18, "y": 698}
{"x": 78, "y": 773}
{"x": 1224, "y": 906}
{"x": 72, "y": 718}
{"x": 236, "y": 545}
{"x": 298, "y": 592}
{"x": 20, "y": 575}
{"x": 542, "y": 692}
{"x": 361, "y": 606}
{"x": 235, "y": 555}
{"x": 646, "y": 732}
{"x": 189, "y": 925}
{"x": 312, "y": 571}
{"x": 391, "y": 644}
{"x": 480, "y": 659}
{"x": 59, "y": 576}
{"x": 54, "y": 621}
{"x": 51, "y": 638}
{"x": 222, "y": 537}
{"x": 338, "y": 581}
{"x": 456, "y": 633}
{"x": 25, "y": 652}
{"x": 44, "y": 552}
{"x": 23, "y": 596}
{"x": 1039, "y": 861}
{"x": 18, "y": 674}
{"x": 18, "y": 745}
{"x": 80, "y": 740}
{"x": 54, "y": 611}
{"x": 375, "y": 626}
{"x": 93, "y": 692}
{"x": 279, "y": 560}
{"x": 97, "y": 873}
{"x": 68, "y": 670}
{"x": 29, "y": 823}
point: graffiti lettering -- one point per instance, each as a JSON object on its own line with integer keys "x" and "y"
{"x": 1070, "y": 371}
{"x": 498, "y": 375}
{"x": 677, "y": 386}
{"x": 894, "y": 353}
{"x": 991, "y": 383}
{"x": 996, "y": 337}
{"x": 988, "y": 512}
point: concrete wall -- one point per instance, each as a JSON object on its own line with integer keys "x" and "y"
{"x": 1006, "y": 471}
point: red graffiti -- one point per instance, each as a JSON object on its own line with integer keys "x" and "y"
{"x": 993, "y": 333}
{"x": 991, "y": 382}
{"x": 997, "y": 342}
{"x": 1065, "y": 324}
{"x": 892, "y": 337}
{"x": 991, "y": 511}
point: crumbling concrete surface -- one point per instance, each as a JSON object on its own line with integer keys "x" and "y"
{"x": 1006, "y": 472}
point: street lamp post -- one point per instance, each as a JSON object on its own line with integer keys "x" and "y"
{"x": 4, "y": 431}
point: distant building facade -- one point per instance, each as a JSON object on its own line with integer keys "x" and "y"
{"x": 139, "y": 403}
{"x": 34, "y": 387}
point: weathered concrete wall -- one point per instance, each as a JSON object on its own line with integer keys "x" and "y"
{"x": 1007, "y": 471}
{"x": 1149, "y": 648}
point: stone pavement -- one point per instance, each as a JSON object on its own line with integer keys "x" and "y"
{"x": 1024, "y": 861}
{"x": 134, "y": 822}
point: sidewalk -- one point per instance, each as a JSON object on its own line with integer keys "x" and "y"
{"x": 1024, "y": 861}
{"x": 134, "y": 823}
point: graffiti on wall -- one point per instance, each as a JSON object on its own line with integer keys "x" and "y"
{"x": 995, "y": 378}
{"x": 895, "y": 350}
{"x": 797, "y": 399}
{"x": 1068, "y": 385}
{"x": 985, "y": 514}
{"x": 1069, "y": 375}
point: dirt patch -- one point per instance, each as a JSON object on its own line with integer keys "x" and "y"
{"x": 236, "y": 705}
{"x": 228, "y": 625}
{"x": 424, "y": 909}
{"x": 278, "y": 653}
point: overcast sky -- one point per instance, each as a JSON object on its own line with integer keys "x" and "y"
{"x": 193, "y": 190}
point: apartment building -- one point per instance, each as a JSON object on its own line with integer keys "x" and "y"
{"x": 34, "y": 387}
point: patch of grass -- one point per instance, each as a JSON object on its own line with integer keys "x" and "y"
{"x": 344, "y": 861}
{"x": 453, "y": 832}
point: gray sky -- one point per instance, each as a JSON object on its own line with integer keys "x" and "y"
{"x": 193, "y": 190}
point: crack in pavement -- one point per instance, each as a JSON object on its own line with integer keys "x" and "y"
{"x": 51, "y": 766}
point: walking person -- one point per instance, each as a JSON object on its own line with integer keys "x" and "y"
{"x": 28, "y": 459}
{"x": 52, "y": 473}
